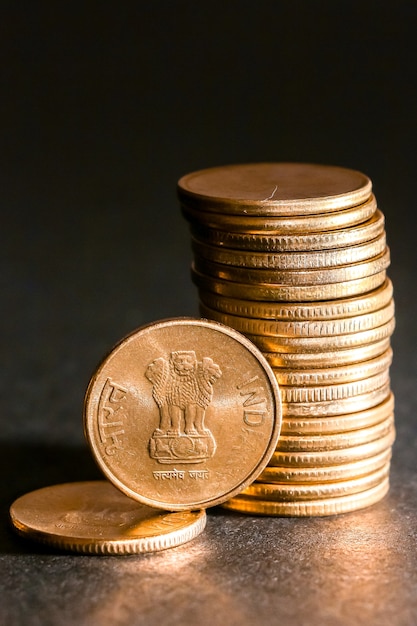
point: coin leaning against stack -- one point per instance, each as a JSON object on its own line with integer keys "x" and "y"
{"x": 294, "y": 256}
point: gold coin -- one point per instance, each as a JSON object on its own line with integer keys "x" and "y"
{"x": 278, "y": 260}
{"x": 322, "y": 344}
{"x": 292, "y": 293}
{"x": 335, "y": 441}
{"x": 274, "y": 188}
{"x": 337, "y": 391}
{"x": 295, "y": 224}
{"x": 303, "y": 328}
{"x": 331, "y": 473}
{"x": 331, "y": 375}
{"x": 339, "y": 423}
{"x": 324, "y": 276}
{"x": 95, "y": 518}
{"x": 316, "y": 508}
{"x": 182, "y": 414}
{"x": 273, "y": 242}
{"x": 300, "y": 360}
{"x": 302, "y": 311}
{"x": 274, "y": 492}
{"x": 336, "y": 407}
{"x": 333, "y": 457}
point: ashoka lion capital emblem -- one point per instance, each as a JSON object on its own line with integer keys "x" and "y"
{"x": 182, "y": 389}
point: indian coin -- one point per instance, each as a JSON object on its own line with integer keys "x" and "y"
{"x": 330, "y": 474}
{"x": 295, "y": 493}
{"x": 335, "y": 441}
{"x": 336, "y": 407}
{"x": 291, "y": 293}
{"x": 182, "y": 414}
{"x": 295, "y": 224}
{"x": 303, "y": 328}
{"x": 274, "y": 242}
{"x": 316, "y": 508}
{"x": 300, "y": 311}
{"x": 96, "y": 518}
{"x": 280, "y": 343}
{"x": 297, "y": 277}
{"x": 342, "y": 357}
{"x": 278, "y": 260}
{"x": 333, "y": 457}
{"x": 339, "y": 423}
{"x": 274, "y": 189}
{"x": 331, "y": 375}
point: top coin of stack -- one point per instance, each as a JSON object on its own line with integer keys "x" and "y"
{"x": 294, "y": 256}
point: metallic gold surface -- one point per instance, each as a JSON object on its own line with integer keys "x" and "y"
{"x": 331, "y": 473}
{"x": 329, "y": 506}
{"x": 336, "y": 407}
{"x": 333, "y": 457}
{"x": 96, "y": 518}
{"x": 182, "y": 414}
{"x": 293, "y": 225}
{"x": 343, "y": 423}
{"x": 268, "y": 343}
{"x": 303, "y": 328}
{"x": 335, "y": 441}
{"x": 277, "y": 260}
{"x": 273, "y": 242}
{"x": 274, "y": 188}
{"x": 290, "y": 492}
{"x": 300, "y": 360}
{"x": 299, "y": 277}
{"x": 291, "y": 293}
{"x": 303, "y": 311}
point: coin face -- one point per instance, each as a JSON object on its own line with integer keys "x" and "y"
{"x": 183, "y": 414}
{"x": 94, "y": 517}
{"x": 274, "y": 188}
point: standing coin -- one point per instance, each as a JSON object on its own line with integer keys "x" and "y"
{"x": 96, "y": 518}
{"x": 183, "y": 413}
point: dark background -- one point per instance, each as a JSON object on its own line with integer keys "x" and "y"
{"x": 103, "y": 107}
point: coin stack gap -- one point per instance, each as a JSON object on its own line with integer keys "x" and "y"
{"x": 294, "y": 256}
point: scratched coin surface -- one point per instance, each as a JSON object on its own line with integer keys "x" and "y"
{"x": 183, "y": 413}
{"x": 96, "y": 518}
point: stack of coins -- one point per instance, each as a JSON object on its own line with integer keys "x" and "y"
{"x": 294, "y": 256}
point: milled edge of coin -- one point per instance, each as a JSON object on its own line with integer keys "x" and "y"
{"x": 330, "y": 506}
{"x": 275, "y": 428}
{"x": 343, "y": 423}
{"x": 336, "y": 407}
{"x": 290, "y": 261}
{"x": 301, "y": 311}
{"x": 303, "y": 328}
{"x": 310, "y": 203}
{"x": 330, "y": 473}
{"x": 339, "y": 357}
{"x": 333, "y": 457}
{"x": 331, "y": 375}
{"x": 284, "y": 225}
{"x": 271, "y": 242}
{"x": 335, "y": 441}
{"x": 280, "y": 343}
{"x": 292, "y": 293}
{"x": 97, "y": 546}
{"x": 273, "y": 492}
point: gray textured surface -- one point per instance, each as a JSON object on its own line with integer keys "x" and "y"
{"x": 102, "y": 111}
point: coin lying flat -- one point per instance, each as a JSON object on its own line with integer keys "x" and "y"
{"x": 271, "y": 241}
{"x": 183, "y": 414}
{"x": 327, "y": 506}
{"x": 274, "y": 189}
{"x": 96, "y": 518}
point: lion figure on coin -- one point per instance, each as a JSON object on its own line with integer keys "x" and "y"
{"x": 182, "y": 389}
